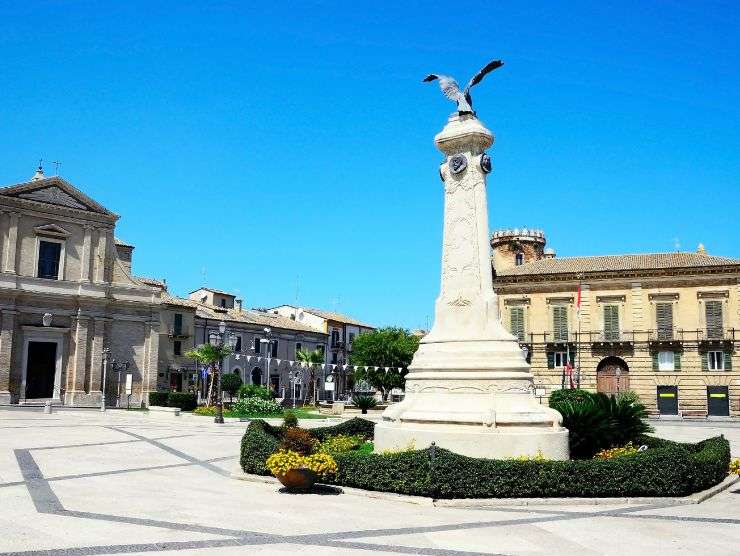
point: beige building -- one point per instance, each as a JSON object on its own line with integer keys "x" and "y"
{"x": 66, "y": 294}
{"x": 666, "y": 325}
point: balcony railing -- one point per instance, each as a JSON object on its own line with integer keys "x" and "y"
{"x": 338, "y": 344}
{"x": 178, "y": 332}
{"x": 661, "y": 335}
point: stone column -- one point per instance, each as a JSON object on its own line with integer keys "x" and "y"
{"x": 151, "y": 362}
{"x": 11, "y": 243}
{"x": 101, "y": 255}
{"x": 7, "y": 329}
{"x": 469, "y": 388}
{"x": 78, "y": 358}
{"x": 96, "y": 357}
{"x": 87, "y": 255}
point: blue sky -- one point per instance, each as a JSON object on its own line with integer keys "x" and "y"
{"x": 262, "y": 142}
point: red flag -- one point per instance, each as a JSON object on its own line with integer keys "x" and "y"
{"x": 578, "y": 302}
{"x": 569, "y": 372}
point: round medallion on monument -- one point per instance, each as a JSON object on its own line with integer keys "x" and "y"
{"x": 485, "y": 163}
{"x": 458, "y": 163}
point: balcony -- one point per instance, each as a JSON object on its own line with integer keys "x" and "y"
{"x": 718, "y": 337}
{"x": 667, "y": 337}
{"x": 338, "y": 344}
{"x": 612, "y": 338}
{"x": 178, "y": 332}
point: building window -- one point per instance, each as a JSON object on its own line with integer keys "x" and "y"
{"x": 274, "y": 345}
{"x": 238, "y": 346}
{"x": 666, "y": 361}
{"x": 223, "y": 303}
{"x": 560, "y": 323}
{"x": 664, "y": 320}
{"x": 351, "y": 337}
{"x": 560, "y": 358}
{"x": 716, "y": 360}
{"x": 334, "y": 338}
{"x": 519, "y": 259}
{"x": 257, "y": 346}
{"x": 713, "y": 312}
{"x": 177, "y": 347}
{"x": 334, "y": 357}
{"x": 49, "y": 256}
{"x": 298, "y": 347}
{"x": 177, "y": 328}
{"x": 516, "y": 320}
{"x": 611, "y": 323}
{"x": 204, "y": 299}
{"x": 321, "y": 349}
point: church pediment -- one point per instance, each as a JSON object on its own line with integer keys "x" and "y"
{"x": 51, "y": 230}
{"x": 54, "y": 191}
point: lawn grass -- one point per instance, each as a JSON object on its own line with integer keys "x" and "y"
{"x": 300, "y": 412}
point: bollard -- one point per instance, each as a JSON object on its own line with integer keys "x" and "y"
{"x": 47, "y": 408}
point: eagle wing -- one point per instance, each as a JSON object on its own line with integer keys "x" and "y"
{"x": 478, "y": 77}
{"x": 449, "y": 86}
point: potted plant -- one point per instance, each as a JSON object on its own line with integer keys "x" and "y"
{"x": 364, "y": 402}
{"x": 297, "y": 472}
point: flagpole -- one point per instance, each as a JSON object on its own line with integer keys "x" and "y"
{"x": 578, "y": 338}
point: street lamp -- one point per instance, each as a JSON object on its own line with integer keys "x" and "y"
{"x": 116, "y": 366}
{"x": 295, "y": 377}
{"x": 221, "y": 339}
{"x": 268, "y": 343}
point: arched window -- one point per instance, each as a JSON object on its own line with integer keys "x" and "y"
{"x": 257, "y": 376}
{"x": 519, "y": 259}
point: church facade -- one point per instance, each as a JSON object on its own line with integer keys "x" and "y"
{"x": 66, "y": 295}
{"x": 665, "y": 325}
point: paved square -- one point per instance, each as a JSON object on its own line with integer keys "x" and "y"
{"x": 79, "y": 483}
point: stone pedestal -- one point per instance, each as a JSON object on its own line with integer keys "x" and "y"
{"x": 469, "y": 388}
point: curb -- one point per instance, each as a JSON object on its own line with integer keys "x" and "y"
{"x": 696, "y": 498}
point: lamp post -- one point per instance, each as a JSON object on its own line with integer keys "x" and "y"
{"x": 267, "y": 341}
{"x": 295, "y": 377}
{"x": 220, "y": 340}
{"x": 116, "y": 366}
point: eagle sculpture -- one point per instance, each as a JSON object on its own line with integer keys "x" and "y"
{"x": 452, "y": 91}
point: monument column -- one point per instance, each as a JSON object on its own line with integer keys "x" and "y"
{"x": 469, "y": 388}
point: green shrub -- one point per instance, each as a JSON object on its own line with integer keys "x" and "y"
{"x": 183, "y": 400}
{"x": 575, "y": 395}
{"x": 626, "y": 418}
{"x": 355, "y": 426}
{"x": 205, "y": 410}
{"x": 256, "y": 406}
{"x": 364, "y": 402}
{"x": 158, "y": 398}
{"x": 254, "y": 391}
{"x": 665, "y": 469}
{"x": 341, "y": 443}
{"x": 290, "y": 419}
{"x": 231, "y": 383}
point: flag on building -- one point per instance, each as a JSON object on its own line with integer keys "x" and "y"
{"x": 578, "y": 303}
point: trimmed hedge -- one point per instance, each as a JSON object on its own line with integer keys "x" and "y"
{"x": 158, "y": 398}
{"x": 183, "y": 400}
{"x": 665, "y": 469}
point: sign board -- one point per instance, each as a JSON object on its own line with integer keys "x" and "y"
{"x": 540, "y": 392}
{"x": 129, "y": 383}
{"x": 329, "y": 386}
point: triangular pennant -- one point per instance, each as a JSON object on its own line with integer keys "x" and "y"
{"x": 278, "y": 361}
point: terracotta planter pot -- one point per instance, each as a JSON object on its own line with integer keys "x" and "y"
{"x": 298, "y": 480}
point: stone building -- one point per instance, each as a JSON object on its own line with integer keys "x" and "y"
{"x": 666, "y": 325}
{"x": 66, "y": 294}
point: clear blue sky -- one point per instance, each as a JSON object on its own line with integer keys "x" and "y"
{"x": 263, "y": 142}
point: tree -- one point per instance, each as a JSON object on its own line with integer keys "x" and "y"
{"x": 231, "y": 382}
{"x": 210, "y": 355}
{"x": 311, "y": 358}
{"x": 385, "y": 347}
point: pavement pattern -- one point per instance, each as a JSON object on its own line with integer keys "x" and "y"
{"x": 82, "y": 483}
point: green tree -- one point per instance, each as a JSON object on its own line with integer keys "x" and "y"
{"x": 386, "y": 347}
{"x": 231, "y": 382}
{"x": 311, "y": 358}
{"x": 210, "y": 355}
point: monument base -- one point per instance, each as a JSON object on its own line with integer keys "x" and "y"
{"x": 474, "y": 441}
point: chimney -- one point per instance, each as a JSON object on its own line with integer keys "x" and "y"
{"x": 549, "y": 253}
{"x": 239, "y": 305}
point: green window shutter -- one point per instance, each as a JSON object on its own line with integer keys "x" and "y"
{"x": 655, "y": 361}
{"x": 611, "y": 322}
{"x": 550, "y": 360}
{"x": 728, "y": 360}
{"x": 704, "y": 362}
{"x": 677, "y": 360}
{"x": 572, "y": 352}
{"x": 560, "y": 324}
{"x": 664, "y": 320}
{"x": 713, "y": 312}
{"x": 516, "y": 318}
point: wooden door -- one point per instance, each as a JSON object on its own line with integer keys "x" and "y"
{"x": 612, "y": 379}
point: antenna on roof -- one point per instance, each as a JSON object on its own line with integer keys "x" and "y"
{"x": 56, "y": 164}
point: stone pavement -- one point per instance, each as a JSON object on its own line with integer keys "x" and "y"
{"x": 79, "y": 483}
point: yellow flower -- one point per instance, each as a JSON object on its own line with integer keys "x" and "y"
{"x": 735, "y": 466}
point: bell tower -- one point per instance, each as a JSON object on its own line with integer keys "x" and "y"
{"x": 516, "y": 247}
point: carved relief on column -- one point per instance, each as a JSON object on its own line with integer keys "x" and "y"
{"x": 11, "y": 243}
{"x": 78, "y": 355}
{"x": 96, "y": 355}
{"x": 87, "y": 255}
{"x": 6, "y": 353}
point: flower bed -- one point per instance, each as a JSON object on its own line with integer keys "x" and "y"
{"x": 665, "y": 469}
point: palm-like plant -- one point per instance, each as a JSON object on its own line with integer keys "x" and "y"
{"x": 210, "y": 355}
{"x": 310, "y": 358}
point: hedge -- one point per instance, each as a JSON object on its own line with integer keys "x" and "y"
{"x": 158, "y": 398}
{"x": 665, "y": 469}
{"x": 183, "y": 400}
